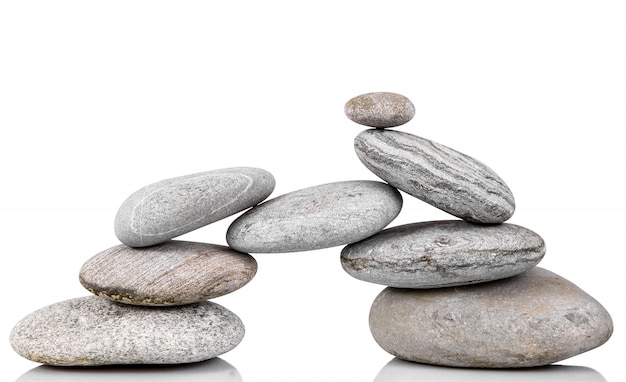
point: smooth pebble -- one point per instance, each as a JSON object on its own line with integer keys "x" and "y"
{"x": 316, "y": 217}
{"x": 436, "y": 174}
{"x": 91, "y": 331}
{"x": 172, "y": 273}
{"x": 172, "y": 207}
{"x": 533, "y": 319}
{"x": 380, "y": 109}
{"x": 443, "y": 253}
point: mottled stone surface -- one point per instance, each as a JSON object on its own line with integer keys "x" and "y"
{"x": 380, "y": 109}
{"x": 172, "y": 207}
{"x": 316, "y": 217}
{"x": 398, "y": 370}
{"x": 533, "y": 319}
{"x": 443, "y": 253}
{"x": 90, "y": 331}
{"x": 172, "y": 273}
{"x": 213, "y": 370}
{"x": 438, "y": 175}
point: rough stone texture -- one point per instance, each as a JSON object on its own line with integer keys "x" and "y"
{"x": 398, "y": 370}
{"x": 316, "y": 217}
{"x": 215, "y": 369}
{"x": 533, "y": 319}
{"x": 172, "y": 273}
{"x": 443, "y": 253}
{"x": 436, "y": 174}
{"x": 172, "y": 207}
{"x": 380, "y": 109}
{"x": 90, "y": 331}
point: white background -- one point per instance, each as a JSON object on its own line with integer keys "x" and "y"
{"x": 98, "y": 99}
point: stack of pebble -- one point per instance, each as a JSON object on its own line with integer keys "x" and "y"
{"x": 151, "y": 292}
{"x": 462, "y": 293}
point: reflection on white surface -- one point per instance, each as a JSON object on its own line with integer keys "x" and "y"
{"x": 403, "y": 371}
{"x": 215, "y": 369}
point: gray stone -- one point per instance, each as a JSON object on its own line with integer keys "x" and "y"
{"x": 380, "y": 109}
{"x": 398, "y": 370}
{"x": 90, "y": 331}
{"x": 438, "y": 175}
{"x": 443, "y": 253}
{"x": 172, "y": 273}
{"x": 316, "y": 217}
{"x": 172, "y": 207}
{"x": 215, "y": 369}
{"x": 532, "y": 319}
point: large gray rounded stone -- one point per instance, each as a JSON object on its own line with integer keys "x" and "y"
{"x": 436, "y": 174}
{"x": 316, "y": 217}
{"x": 380, "y": 109}
{"x": 172, "y": 207}
{"x": 172, "y": 273}
{"x": 533, "y": 319}
{"x": 443, "y": 253}
{"x": 91, "y": 331}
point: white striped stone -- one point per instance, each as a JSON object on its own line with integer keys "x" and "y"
{"x": 438, "y": 175}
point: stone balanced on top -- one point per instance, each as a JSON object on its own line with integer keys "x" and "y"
{"x": 460, "y": 292}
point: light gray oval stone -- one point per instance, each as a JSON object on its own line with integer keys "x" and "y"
{"x": 316, "y": 217}
{"x": 172, "y": 273}
{"x": 443, "y": 253}
{"x": 172, "y": 207}
{"x": 380, "y": 109}
{"x": 90, "y": 331}
{"x": 533, "y": 319}
{"x": 436, "y": 174}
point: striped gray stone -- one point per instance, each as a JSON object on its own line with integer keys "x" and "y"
{"x": 173, "y": 273}
{"x": 443, "y": 253}
{"x": 92, "y": 331}
{"x": 438, "y": 175}
{"x": 533, "y": 319}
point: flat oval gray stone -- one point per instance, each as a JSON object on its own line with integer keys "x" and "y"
{"x": 316, "y": 217}
{"x": 533, "y": 319}
{"x": 443, "y": 253}
{"x": 172, "y": 207}
{"x": 90, "y": 331}
{"x": 436, "y": 174}
{"x": 380, "y": 109}
{"x": 172, "y": 273}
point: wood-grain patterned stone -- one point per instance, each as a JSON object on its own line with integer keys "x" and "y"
{"x": 443, "y": 253}
{"x": 316, "y": 217}
{"x": 380, "y": 109}
{"x": 533, "y": 319}
{"x": 172, "y": 273}
{"x": 91, "y": 331}
{"x": 438, "y": 175}
{"x": 172, "y": 207}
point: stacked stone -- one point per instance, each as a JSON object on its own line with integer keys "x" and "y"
{"x": 151, "y": 304}
{"x": 464, "y": 293}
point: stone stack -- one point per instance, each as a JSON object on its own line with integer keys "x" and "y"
{"x": 151, "y": 304}
{"x": 464, "y": 293}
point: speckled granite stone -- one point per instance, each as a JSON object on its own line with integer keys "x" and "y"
{"x": 443, "y": 253}
{"x": 316, "y": 217}
{"x": 91, "y": 331}
{"x": 380, "y": 109}
{"x": 213, "y": 370}
{"x": 172, "y": 207}
{"x": 172, "y": 273}
{"x": 438, "y": 175}
{"x": 532, "y": 319}
{"x": 398, "y": 370}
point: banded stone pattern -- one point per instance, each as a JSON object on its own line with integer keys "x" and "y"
{"x": 443, "y": 253}
{"x": 91, "y": 331}
{"x": 438, "y": 175}
{"x": 533, "y": 319}
{"x": 172, "y": 273}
